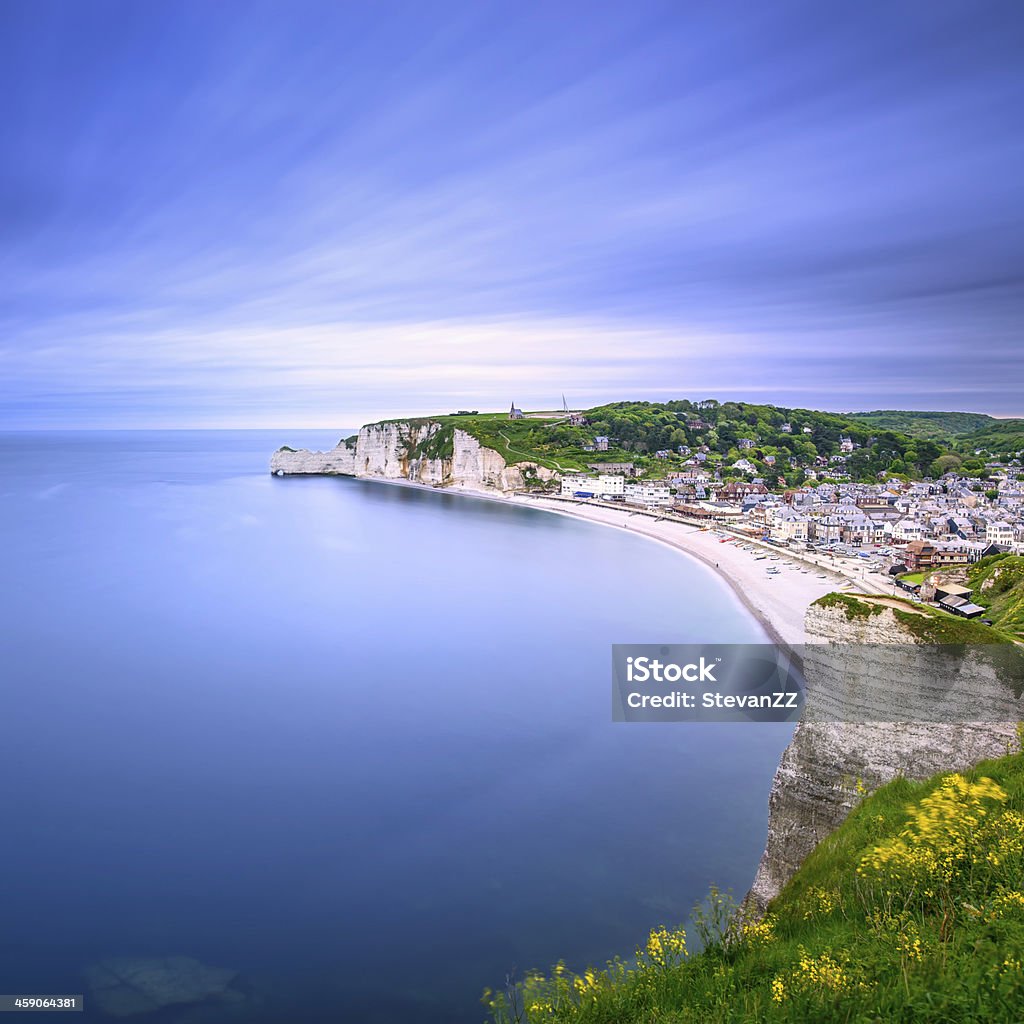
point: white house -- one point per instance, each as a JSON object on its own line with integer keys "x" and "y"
{"x": 784, "y": 523}
{"x": 999, "y": 533}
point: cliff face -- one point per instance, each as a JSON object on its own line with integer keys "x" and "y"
{"x": 423, "y": 452}
{"x": 815, "y": 785}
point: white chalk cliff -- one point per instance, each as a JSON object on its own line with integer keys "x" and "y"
{"x": 423, "y": 452}
{"x": 815, "y": 785}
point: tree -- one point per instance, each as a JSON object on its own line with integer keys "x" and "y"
{"x": 944, "y": 464}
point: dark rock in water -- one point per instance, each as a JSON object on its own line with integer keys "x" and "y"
{"x": 130, "y": 986}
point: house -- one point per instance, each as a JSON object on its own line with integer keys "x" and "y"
{"x": 737, "y": 490}
{"x": 951, "y": 590}
{"x": 577, "y": 419}
{"x": 961, "y": 606}
{"x": 514, "y": 413}
{"x": 906, "y": 530}
{"x": 663, "y": 453}
{"x": 784, "y": 523}
{"x": 918, "y": 554}
{"x": 829, "y": 529}
{"x": 745, "y": 442}
{"x": 951, "y": 554}
{"x": 860, "y": 529}
{"x": 845, "y": 445}
{"x": 808, "y": 430}
{"x": 601, "y": 443}
{"x": 1000, "y": 533}
{"x": 786, "y": 428}
{"x": 625, "y": 468}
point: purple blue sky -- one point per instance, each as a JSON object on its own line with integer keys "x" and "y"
{"x": 246, "y": 214}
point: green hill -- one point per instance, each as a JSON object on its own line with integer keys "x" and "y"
{"x": 778, "y": 442}
{"x": 913, "y": 910}
{"x": 1000, "y": 437}
{"x": 939, "y": 426}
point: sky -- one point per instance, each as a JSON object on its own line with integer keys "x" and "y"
{"x": 316, "y": 214}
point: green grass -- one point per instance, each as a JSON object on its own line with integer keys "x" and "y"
{"x": 928, "y": 624}
{"x": 853, "y": 608}
{"x": 845, "y": 941}
{"x": 998, "y": 586}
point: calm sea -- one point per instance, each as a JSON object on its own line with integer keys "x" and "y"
{"x": 352, "y": 740}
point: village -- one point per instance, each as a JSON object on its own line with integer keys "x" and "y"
{"x": 900, "y": 530}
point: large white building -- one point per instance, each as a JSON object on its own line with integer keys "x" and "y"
{"x": 648, "y": 494}
{"x": 573, "y": 482}
{"x": 611, "y": 485}
{"x": 606, "y": 485}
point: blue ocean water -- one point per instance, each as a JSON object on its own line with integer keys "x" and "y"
{"x": 352, "y": 740}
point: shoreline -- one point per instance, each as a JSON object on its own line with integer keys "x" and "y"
{"x": 776, "y": 601}
{"x": 730, "y": 581}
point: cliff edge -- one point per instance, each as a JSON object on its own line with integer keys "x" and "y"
{"x": 816, "y": 784}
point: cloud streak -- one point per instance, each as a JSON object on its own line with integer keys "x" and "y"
{"x": 324, "y": 214}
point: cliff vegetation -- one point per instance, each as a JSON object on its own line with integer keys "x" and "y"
{"x": 912, "y": 910}
{"x": 777, "y": 442}
{"x": 997, "y": 584}
{"x": 925, "y": 624}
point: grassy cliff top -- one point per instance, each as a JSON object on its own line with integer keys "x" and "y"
{"x": 775, "y": 441}
{"x": 927, "y": 624}
{"x": 913, "y": 910}
{"x": 998, "y": 586}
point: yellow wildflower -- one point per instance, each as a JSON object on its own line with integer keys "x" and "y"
{"x": 778, "y": 990}
{"x": 759, "y": 933}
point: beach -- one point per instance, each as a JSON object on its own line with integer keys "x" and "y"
{"x": 778, "y": 600}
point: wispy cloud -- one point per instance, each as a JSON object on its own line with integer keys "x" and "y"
{"x": 319, "y": 214}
